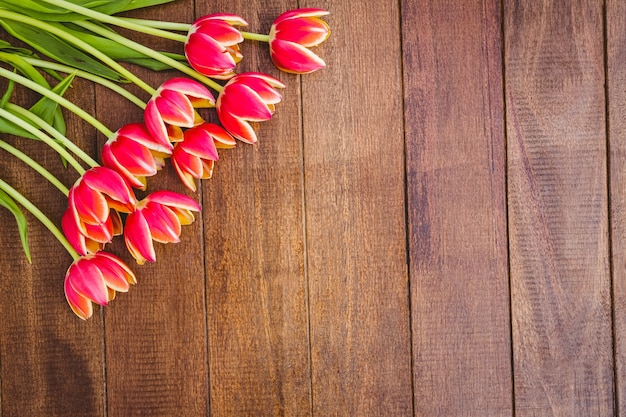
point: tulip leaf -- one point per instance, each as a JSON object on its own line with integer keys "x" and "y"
{"x": 58, "y": 49}
{"x": 51, "y": 13}
{"x": 7, "y": 94}
{"x": 48, "y": 109}
{"x": 7, "y": 202}
{"x": 118, "y": 51}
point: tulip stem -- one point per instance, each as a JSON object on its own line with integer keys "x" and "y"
{"x": 88, "y": 76}
{"x": 57, "y": 98}
{"x": 256, "y": 36}
{"x": 34, "y": 165}
{"x": 52, "y": 132}
{"x": 116, "y": 21}
{"x": 150, "y": 52}
{"x": 24, "y": 202}
{"x": 44, "y": 138}
{"x": 78, "y": 43}
{"x": 159, "y": 24}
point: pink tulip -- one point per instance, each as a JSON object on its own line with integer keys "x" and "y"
{"x": 212, "y": 46}
{"x": 95, "y": 278}
{"x": 195, "y": 156}
{"x": 98, "y": 191}
{"x": 134, "y": 154}
{"x": 172, "y": 107}
{"x": 158, "y": 217}
{"x": 90, "y": 238}
{"x": 291, "y": 34}
{"x": 247, "y": 97}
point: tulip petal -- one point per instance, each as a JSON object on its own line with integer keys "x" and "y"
{"x": 120, "y": 266}
{"x": 87, "y": 280}
{"x": 113, "y": 277}
{"x": 172, "y": 199}
{"x": 242, "y": 101}
{"x": 90, "y": 205}
{"x": 73, "y": 233}
{"x": 292, "y": 57}
{"x": 138, "y": 239}
{"x": 307, "y": 32}
{"x": 199, "y": 142}
{"x": 175, "y": 108}
{"x": 231, "y": 19}
{"x": 156, "y": 127}
{"x": 163, "y": 223}
{"x": 110, "y": 183}
{"x": 237, "y": 127}
{"x": 188, "y": 87}
{"x": 80, "y": 305}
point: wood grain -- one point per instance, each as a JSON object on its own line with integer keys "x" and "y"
{"x": 457, "y": 208}
{"x": 254, "y": 245}
{"x": 156, "y": 354}
{"x": 616, "y": 80}
{"x": 51, "y": 361}
{"x": 355, "y": 228}
{"x": 560, "y": 282}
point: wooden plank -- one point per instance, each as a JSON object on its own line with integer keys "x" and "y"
{"x": 560, "y": 281}
{"x": 51, "y": 360}
{"x": 354, "y": 204}
{"x": 156, "y": 356}
{"x": 457, "y": 208}
{"x": 616, "y": 80}
{"x": 256, "y": 288}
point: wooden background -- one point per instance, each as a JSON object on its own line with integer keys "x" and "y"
{"x": 433, "y": 225}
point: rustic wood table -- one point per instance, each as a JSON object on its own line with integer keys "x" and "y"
{"x": 433, "y": 225}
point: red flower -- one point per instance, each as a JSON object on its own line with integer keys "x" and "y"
{"x": 172, "y": 107}
{"x": 291, "y": 34}
{"x": 95, "y": 278}
{"x": 195, "y": 156}
{"x": 90, "y": 238}
{"x": 247, "y": 97}
{"x": 212, "y": 46}
{"x": 98, "y": 191}
{"x": 134, "y": 154}
{"x": 158, "y": 217}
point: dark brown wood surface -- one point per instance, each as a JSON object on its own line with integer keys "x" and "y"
{"x": 433, "y": 225}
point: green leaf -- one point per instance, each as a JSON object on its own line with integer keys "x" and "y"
{"x": 24, "y": 67}
{"x": 7, "y": 202}
{"x": 58, "y": 49}
{"x": 48, "y": 12}
{"x": 47, "y": 108}
{"x": 7, "y": 94}
{"x": 139, "y": 4}
{"x": 118, "y": 51}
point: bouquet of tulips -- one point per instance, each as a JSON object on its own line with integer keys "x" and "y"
{"x": 80, "y": 38}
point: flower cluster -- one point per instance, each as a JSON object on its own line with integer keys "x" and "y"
{"x": 102, "y": 202}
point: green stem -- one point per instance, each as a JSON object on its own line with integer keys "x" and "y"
{"x": 150, "y": 52}
{"x": 80, "y": 44}
{"x": 116, "y": 21}
{"x": 57, "y": 98}
{"x": 256, "y": 36}
{"x": 159, "y": 24}
{"x": 34, "y": 165}
{"x": 49, "y": 129}
{"x": 24, "y": 202}
{"x": 88, "y": 76}
{"x": 44, "y": 138}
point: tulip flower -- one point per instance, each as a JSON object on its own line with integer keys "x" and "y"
{"x": 195, "y": 156}
{"x": 291, "y": 34}
{"x": 90, "y": 238}
{"x": 134, "y": 154}
{"x": 158, "y": 217}
{"x": 172, "y": 107}
{"x": 95, "y": 278}
{"x": 212, "y": 46}
{"x": 99, "y": 190}
{"x": 247, "y": 97}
